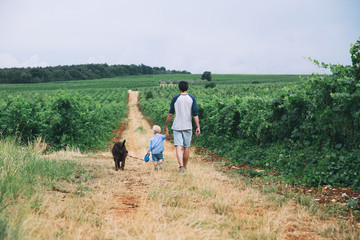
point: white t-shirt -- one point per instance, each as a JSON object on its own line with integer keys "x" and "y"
{"x": 183, "y": 105}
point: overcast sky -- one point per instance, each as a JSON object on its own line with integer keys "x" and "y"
{"x": 221, "y": 36}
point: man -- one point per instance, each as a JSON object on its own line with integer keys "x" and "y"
{"x": 184, "y": 105}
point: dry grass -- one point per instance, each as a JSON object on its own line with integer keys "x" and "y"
{"x": 200, "y": 204}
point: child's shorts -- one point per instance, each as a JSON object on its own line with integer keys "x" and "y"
{"x": 157, "y": 157}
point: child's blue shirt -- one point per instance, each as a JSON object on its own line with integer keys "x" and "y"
{"x": 157, "y": 143}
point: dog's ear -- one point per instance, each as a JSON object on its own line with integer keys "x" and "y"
{"x": 124, "y": 143}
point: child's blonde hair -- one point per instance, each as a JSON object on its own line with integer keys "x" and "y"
{"x": 156, "y": 129}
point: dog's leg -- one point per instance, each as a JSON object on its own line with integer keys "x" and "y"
{"x": 116, "y": 165}
{"x": 123, "y": 164}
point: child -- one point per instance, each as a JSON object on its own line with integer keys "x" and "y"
{"x": 156, "y": 147}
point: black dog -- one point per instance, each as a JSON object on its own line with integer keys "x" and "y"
{"x": 119, "y": 152}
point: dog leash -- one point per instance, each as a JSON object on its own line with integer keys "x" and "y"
{"x": 135, "y": 157}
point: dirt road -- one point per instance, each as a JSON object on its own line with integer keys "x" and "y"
{"x": 139, "y": 132}
{"x": 140, "y": 203}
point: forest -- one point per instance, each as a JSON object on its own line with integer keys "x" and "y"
{"x": 77, "y": 72}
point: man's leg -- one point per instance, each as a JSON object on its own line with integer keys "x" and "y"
{"x": 178, "y": 141}
{"x": 186, "y": 156}
{"x": 187, "y": 141}
{"x": 180, "y": 155}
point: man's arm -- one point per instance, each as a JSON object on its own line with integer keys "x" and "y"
{"x": 168, "y": 119}
{"x": 196, "y": 119}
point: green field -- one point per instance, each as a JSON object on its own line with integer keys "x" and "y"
{"x": 134, "y": 82}
{"x": 303, "y": 126}
{"x": 305, "y": 129}
{"x": 28, "y": 110}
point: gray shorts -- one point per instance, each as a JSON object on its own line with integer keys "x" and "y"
{"x": 182, "y": 138}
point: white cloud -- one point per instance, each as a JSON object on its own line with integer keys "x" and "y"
{"x": 96, "y": 59}
{"x": 8, "y": 61}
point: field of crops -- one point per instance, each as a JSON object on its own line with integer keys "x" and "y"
{"x": 307, "y": 130}
{"x": 83, "y": 114}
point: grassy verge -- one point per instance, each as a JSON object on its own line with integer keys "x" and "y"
{"x": 24, "y": 176}
{"x": 325, "y": 202}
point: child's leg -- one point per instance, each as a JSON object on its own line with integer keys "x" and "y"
{"x": 155, "y": 165}
{"x": 161, "y": 158}
{"x": 160, "y": 163}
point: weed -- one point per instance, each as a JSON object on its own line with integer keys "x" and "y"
{"x": 221, "y": 208}
{"x": 24, "y": 176}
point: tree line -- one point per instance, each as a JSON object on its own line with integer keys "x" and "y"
{"x": 77, "y": 72}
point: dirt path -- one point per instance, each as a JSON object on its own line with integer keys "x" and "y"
{"x": 139, "y": 132}
{"x": 138, "y": 135}
{"x": 140, "y": 203}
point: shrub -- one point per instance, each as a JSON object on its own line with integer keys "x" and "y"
{"x": 210, "y": 85}
{"x": 206, "y": 76}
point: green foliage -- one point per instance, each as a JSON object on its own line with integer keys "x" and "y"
{"x": 210, "y": 85}
{"x": 77, "y": 72}
{"x": 206, "y": 76}
{"x": 355, "y": 58}
{"x": 65, "y": 119}
{"x": 254, "y": 78}
{"x": 352, "y": 203}
{"x": 149, "y": 95}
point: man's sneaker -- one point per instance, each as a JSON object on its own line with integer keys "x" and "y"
{"x": 181, "y": 169}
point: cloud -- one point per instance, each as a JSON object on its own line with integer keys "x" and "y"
{"x": 96, "y": 59}
{"x": 9, "y": 61}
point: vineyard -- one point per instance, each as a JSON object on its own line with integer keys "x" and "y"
{"x": 80, "y": 119}
{"x": 307, "y": 132}
{"x": 305, "y": 128}
{"x": 78, "y": 114}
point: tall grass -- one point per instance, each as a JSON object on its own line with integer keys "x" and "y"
{"x": 24, "y": 174}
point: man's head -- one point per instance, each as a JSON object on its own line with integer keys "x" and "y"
{"x": 183, "y": 86}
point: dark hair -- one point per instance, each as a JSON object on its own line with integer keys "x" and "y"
{"x": 183, "y": 86}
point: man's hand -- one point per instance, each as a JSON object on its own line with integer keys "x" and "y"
{"x": 166, "y": 132}
{"x": 196, "y": 119}
{"x": 168, "y": 118}
{"x": 197, "y": 131}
